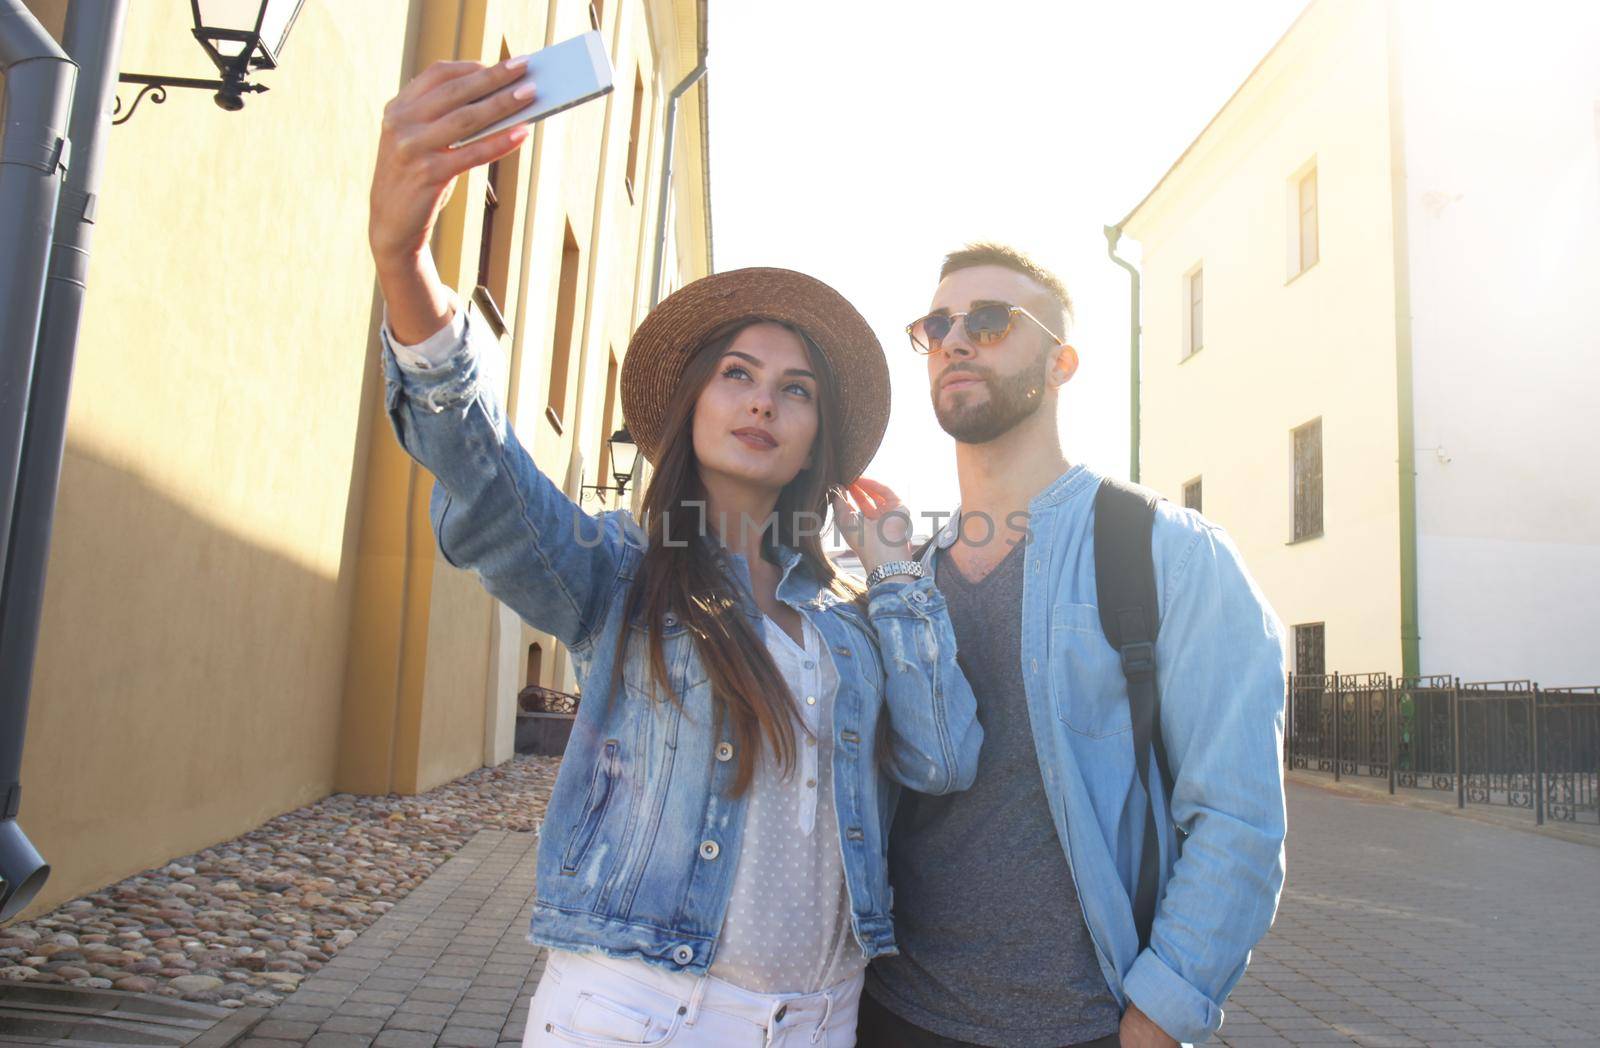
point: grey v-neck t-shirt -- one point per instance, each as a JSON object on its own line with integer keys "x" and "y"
{"x": 993, "y": 945}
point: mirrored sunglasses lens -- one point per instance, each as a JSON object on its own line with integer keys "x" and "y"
{"x": 987, "y": 325}
{"x": 931, "y": 330}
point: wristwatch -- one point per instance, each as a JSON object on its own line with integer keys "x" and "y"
{"x": 895, "y": 567}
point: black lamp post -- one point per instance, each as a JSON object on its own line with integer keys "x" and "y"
{"x": 239, "y": 36}
{"x": 624, "y": 458}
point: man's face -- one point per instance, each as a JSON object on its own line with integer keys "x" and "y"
{"x": 980, "y": 393}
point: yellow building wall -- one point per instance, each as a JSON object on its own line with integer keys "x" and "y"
{"x": 245, "y": 609}
{"x": 192, "y": 649}
{"x": 1279, "y": 352}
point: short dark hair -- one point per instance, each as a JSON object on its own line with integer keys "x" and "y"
{"x": 990, "y": 254}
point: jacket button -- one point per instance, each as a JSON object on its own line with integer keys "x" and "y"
{"x": 708, "y": 850}
{"x": 841, "y": 650}
{"x": 919, "y": 598}
{"x": 724, "y": 751}
{"x": 683, "y": 955}
{"x": 811, "y": 700}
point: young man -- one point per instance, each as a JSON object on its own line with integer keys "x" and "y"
{"x": 1015, "y": 900}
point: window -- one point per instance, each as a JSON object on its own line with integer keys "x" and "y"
{"x": 1310, "y": 656}
{"x": 1305, "y": 223}
{"x": 495, "y": 236}
{"x": 1195, "y": 325}
{"x": 608, "y": 418}
{"x": 535, "y": 664}
{"x": 1308, "y": 481}
{"x": 1191, "y": 495}
{"x": 630, "y": 175}
{"x": 561, "y": 347}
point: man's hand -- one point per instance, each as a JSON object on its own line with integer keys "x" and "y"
{"x": 1140, "y": 1031}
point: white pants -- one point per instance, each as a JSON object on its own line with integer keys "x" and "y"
{"x": 599, "y": 1001}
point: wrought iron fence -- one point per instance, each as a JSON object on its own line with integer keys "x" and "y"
{"x": 1507, "y": 743}
{"x": 535, "y": 699}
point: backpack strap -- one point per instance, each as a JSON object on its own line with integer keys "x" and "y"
{"x": 1125, "y": 585}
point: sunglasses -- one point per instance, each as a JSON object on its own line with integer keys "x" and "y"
{"x": 986, "y": 325}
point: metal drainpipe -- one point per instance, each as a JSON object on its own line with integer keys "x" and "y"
{"x": 34, "y": 153}
{"x": 93, "y": 36}
{"x": 1410, "y": 633}
{"x": 1113, "y": 236}
{"x": 666, "y": 169}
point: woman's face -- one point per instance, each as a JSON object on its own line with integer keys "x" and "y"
{"x": 756, "y": 420}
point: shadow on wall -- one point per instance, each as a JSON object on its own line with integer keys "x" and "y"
{"x": 187, "y": 687}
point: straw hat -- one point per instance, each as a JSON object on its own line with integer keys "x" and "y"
{"x": 681, "y": 324}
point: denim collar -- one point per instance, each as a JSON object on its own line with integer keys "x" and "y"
{"x": 1074, "y": 481}
{"x": 795, "y": 585}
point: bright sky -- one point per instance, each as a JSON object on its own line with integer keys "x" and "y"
{"x": 860, "y": 140}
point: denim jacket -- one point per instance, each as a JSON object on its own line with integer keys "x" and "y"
{"x": 1220, "y": 670}
{"x": 640, "y": 842}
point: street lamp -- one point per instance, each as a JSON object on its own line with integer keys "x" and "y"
{"x": 624, "y": 457}
{"x": 239, "y": 36}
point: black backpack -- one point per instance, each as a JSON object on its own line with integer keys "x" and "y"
{"x": 1125, "y": 585}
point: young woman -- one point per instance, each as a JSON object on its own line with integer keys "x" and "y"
{"x": 712, "y": 866}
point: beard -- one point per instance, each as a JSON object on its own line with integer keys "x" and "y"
{"x": 1012, "y": 399}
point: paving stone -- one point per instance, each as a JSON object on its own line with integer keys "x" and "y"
{"x": 416, "y": 1007}
{"x": 430, "y": 1024}
{"x": 353, "y": 1024}
{"x": 389, "y": 997}
{"x": 366, "y": 1009}
{"x": 339, "y": 1040}
{"x": 403, "y": 1039}
{"x": 296, "y": 1012}
{"x": 284, "y": 1029}
{"x": 468, "y": 1037}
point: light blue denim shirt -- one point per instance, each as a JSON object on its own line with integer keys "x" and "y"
{"x": 639, "y": 845}
{"x": 1220, "y": 669}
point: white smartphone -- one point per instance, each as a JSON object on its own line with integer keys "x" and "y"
{"x": 565, "y": 75}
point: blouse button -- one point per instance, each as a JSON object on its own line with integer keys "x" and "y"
{"x": 810, "y": 665}
{"x": 724, "y": 751}
{"x": 708, "y": 851}
{"x": 811, "y": 784}
{"x": 683, "y": 955}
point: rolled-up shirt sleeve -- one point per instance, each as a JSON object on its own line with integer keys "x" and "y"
{"x": 434, "y": 350}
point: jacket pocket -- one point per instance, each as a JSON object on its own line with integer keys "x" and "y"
{"x": 1087, "y": 687}
{"x": 684, "y": 668}
{"x": 601, "y": 786}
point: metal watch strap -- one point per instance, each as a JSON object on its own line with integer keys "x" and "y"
{"x": 895, "y": 567}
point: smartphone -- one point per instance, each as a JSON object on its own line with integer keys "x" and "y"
{"x": 565, "y": 74}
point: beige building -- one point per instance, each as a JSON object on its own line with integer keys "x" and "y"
{"x": 1367, "y": 338}
{"x": 245, "y": 609}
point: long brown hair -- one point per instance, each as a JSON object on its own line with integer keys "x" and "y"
{"x": 680, "y": 572}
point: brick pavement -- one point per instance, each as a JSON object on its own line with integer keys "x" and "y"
{"x": 449, "y": 966}
{"x": 1399, "y": 927}
{"x": 1402, "y": 926}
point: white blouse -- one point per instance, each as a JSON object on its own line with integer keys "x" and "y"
{"x": 788, "y": 929}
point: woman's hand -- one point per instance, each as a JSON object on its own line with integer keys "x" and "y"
{"x": 416, "y": 169}
{"x": 873, "y": 522}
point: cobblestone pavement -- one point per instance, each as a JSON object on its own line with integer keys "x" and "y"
{"x": 1409, "y": 927}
